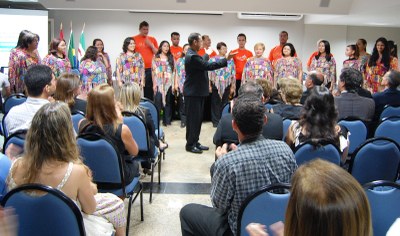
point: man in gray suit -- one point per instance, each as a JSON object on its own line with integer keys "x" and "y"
{"x": 349, "y": 103}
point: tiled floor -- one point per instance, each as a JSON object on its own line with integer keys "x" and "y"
{"x": 185, "y": 178}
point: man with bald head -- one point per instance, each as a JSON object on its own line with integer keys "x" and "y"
{"x": 314, "y": 78}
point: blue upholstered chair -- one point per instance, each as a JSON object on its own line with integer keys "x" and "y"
{"x": 358, "y": 132}
{"x": 376, "y": 159}
{"x": 76, "y": 117}
{"x": 5, "y": 165}
{"x": 13, "y": 100}
{"x": 50, "y": 214}
{"x": 286, "y": 125}
{"x": 390, "y": 111}
{"x": 103, "y": 158}
{"x": 384, "y": 199}
{"x": 264, "y": 207}
{"x": 307, "y": 151}
{"x": 140, "y": 134}
{"x": 390, "y": 128}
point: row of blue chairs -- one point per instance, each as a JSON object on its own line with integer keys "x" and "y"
{"x": 266, "y": 207}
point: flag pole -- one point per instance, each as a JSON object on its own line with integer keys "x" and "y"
{"x": 83, "y": 29}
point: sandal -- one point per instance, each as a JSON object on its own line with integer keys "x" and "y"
{"x": 164, "y": 147}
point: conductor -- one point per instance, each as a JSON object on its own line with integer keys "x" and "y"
{"x": 196, "y": 90}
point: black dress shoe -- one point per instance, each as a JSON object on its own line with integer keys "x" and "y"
{"x": 183, "y": 125}
{"x": 201, "y": 147}
{"x": 194, "y": 150}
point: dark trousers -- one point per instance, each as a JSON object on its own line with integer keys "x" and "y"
{"x": 182, "y": 112}
{"x": 167, "y": 108}
{"x": 217, "y": 103}
{"x": 238, "y": 83}
{"x": 201, "y": 220}
{"x": 148, "y": 88}
{"x": 194, "y": 115}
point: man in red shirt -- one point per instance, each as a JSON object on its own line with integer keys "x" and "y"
{"x": 240, "y": 58}
{"x": 175, "y": 49}
{"x": 206, "y": 47}
{"x": 147, "y": 46}
{"x": 276, "y": 52}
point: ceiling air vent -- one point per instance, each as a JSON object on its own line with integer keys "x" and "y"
{"x": 269, "y": 16}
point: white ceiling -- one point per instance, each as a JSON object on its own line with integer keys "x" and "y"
{"x": 340, "y": 12}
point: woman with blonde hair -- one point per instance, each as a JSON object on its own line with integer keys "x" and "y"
{"x": 325, "y": 200}
{"x": 291, "y": 92}
{"x": 258, "y": 67}
{"x": 56, "y": 163}
{"x": 67, "y": 90}
{"x": 129, "y": 98}
{"x": 103, "y": 115}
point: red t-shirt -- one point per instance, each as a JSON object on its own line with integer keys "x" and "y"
{"x": 144, "y": 50}
{"x": 176, "y": 52}
{"x": 240, "y": 60}
{"x": 202, "y": 51}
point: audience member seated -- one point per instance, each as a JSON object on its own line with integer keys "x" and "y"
{"x": 68, "y": 89}
{"x": 325, "y": 200}
{"x": 360, "y": 88}
{"x": 129, "y": 97}
{"x": 104, "y": 116}
{"x": 313, "y": 78}
{"x": 391, "y": 94}
{"x": 318, "y": 122}
{"x": 56, "y": 163}
{"x": 4, "y": 86}
{"x": 240, "y": 172}
{"x": 40, "y": 84}
{"x": 349, "y": 103}
{"x": 271, "y": 130}
{"x": 291, "y": 91}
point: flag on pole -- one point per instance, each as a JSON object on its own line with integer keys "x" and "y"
{"x": 71, "y": 51}
{"x": 82, "y": 45}
{"x": 61, "y": 32}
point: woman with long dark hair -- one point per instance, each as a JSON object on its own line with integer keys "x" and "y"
{"x": 289, "y": 64}
{"x": 318, "y": 122}
{"x": 379, "y": 63}
{"x": 93, "y": 71}
{"x": 162, "y": 69}
{"x": 324, "y": 63}
{"x": 56, "y": 59}
{"x": 130, "y": 65}
{"x": 104, "y": 58}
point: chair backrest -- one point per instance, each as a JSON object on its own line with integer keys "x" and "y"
{"x": 5, "y": 165}
{"x": 226, "y": 109}
{"x": 263, "y": 207}
{"x": 384, "y": 203}
{"x": 286, "y": 125}
{"x": 13, "y": 100}
{"x": 154, "y": 112}
{"x": 358, "y": 132}
{"x": 325, "y": 150}
{"x": 17, "y": 138}
{"x": 376, "y": 159}
{"x": 50, "y": 214}
{"x": 139, "y": 130}
{"x": 390, "y": 111}
{"x": 389, "y": 128}
{"x": 103, "y": 158}
{"x": 76, "y": 117}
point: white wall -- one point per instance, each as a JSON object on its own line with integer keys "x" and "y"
{"x": 113, "y": 26}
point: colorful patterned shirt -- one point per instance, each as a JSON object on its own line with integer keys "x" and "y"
{"x": 180, "y": 73}
{"x": 223, "y": 77}
{"x": 19, "y": 62}
{"x": 162, "y": 75}
{"x": 108, "y": 69}
{"x": 352, "y": 63}
{"x": 288, "y": 66}
{"x": 131, "y": 67}
{"x": 257, "y": 68}
{"x": 327, "y": 68}
{"x": 57, "y": 65}
{"x": 92, "y": 73}
{"x": 374, "y": 74}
